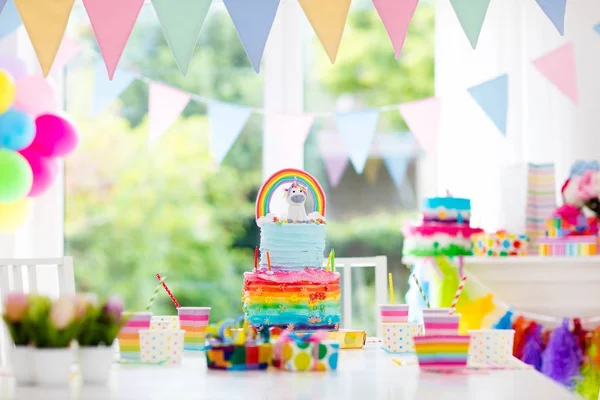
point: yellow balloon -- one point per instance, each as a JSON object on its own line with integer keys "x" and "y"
{"x": 15, "y": 214}
{"x": 7, "y": 91}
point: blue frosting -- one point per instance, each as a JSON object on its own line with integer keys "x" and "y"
{"x": 292, "y": 245}
{"x": 449, "y": 203}
{"x": 580, "y": 167}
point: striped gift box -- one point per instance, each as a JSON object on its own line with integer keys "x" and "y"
{"x": 572, "y": 246}
{"x": 441, "y": 324}
{"x": 442, "y": 352}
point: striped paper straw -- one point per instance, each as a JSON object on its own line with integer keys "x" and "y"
{"x": 154, "y": 294}
{"x": 458, "y": 292}
{"x": 421, "y": 291}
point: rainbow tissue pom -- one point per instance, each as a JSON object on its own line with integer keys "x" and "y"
{"x": 442, "y": 353}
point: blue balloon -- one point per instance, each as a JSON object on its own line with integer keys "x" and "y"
{"x": 17, "y": 130}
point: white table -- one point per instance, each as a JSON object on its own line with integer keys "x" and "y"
{"x": 366, "y": 374}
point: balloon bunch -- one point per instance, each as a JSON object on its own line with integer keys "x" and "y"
{"x": 32, "y": 137}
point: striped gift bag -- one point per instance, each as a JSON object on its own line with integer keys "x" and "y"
{"x": 541, "y": 202}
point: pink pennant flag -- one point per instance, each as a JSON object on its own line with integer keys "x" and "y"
{"x": 335, "y": 167}
{"x": 66, "y": 52}
{"x": 112, "y": 22}
{"x": 396, "y": 16}
{"x": 559, "y": 68}
{"x": 423, "y": 120}
{"x": 291, "y": 132}
{"x": 164, "y": 106}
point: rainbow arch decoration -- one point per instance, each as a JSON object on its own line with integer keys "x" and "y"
{"x": 287, "y": 176}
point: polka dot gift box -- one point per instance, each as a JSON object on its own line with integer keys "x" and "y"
{"x": 491, "y": 346}
{"x": 156, "y": 346}
{"x": 499, "y": 244}
{"x": 398, "y": 338}
{"x": 305, "y": 352}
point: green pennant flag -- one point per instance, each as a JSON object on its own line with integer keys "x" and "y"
{"x": 471, "y": 14}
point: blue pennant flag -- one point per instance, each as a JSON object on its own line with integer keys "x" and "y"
{"x": 226, "y": 124}
{"x": 253, "y": 24}
{"x": 397, "y": 165}
{"x": 9, "y": 18}
{"x": 555, "y": 11}
{"x": 105, "y": 90}
{"x": 357, "y": 130}
{"x": 597, "y": 28}
{"x": 492, "y": 97}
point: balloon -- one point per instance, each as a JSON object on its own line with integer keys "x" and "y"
{"x": 55, "y": 136}
{"x": 17, "y": 130}
{"x": 35, "y": 95}
{"x": 14, "y": 66}
{"x": 16, "y": 177}
{"x": 44, "y": 171}
{"x": 13, "y": 215}
{"x": 7, "y": 91}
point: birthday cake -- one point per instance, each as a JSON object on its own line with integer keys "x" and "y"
{"x": 289, "y": 287}
{"x": 444, "y": 229}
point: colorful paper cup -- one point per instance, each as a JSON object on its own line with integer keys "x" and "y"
{"x": 398, "y": 337}
{"x": 164, "y": 322}
{"x": 158, "y": 346}
{"x": 129, "y": 338}
{"x": 441, "y": 324}
{"x": 393, "y": 313}
{"x": 442, "y": 353}
{"x": 492, "y": 346}
{"x": 436, "y": 311}
{"x": 194, "y": 320}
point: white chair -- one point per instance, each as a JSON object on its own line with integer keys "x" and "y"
{"x": 23, "y": 275}
{"x": 346, "y": 264}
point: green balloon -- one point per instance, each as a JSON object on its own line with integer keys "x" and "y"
{"x": 16, "y": 176}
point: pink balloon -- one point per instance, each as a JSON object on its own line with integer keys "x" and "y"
{"x": 44, "y": 171}
{"x": 55, "y": 136}
{"x": 35, "y": 95}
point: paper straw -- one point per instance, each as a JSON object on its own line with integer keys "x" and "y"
{"x": 458, "y": 292}
{"x": 255, "y": 259}
{"x": 421, "y": 290}
{"x": 173, "y": 299}
{"x": 332, "y": 260}
{"x": 391, "y": 280}
{"x": 328, "y": 262}
{"x": 154, "y": 294}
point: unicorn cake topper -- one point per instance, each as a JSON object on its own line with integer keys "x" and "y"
{"x": 295, "y": 196}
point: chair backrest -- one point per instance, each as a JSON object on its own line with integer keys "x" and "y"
{"x": 23, "y": 275}
{"x": 380, "y": 265}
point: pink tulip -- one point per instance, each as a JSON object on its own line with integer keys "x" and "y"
{"x": 81, "y": 305}
{"x": 15, "y": 306}
{"x": 62, "y": 312}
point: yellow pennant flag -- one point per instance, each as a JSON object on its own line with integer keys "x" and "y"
{"x": 328, "y": 19}
{"x": 45, "y": 22}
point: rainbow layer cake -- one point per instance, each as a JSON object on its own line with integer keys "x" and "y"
{"x": 442, "y": 353}
{"x": 444, "y": 229}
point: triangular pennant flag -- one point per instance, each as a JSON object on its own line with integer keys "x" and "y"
{"x": 471, "y": 14}
{"x": 492, "y": 97}
{"x": 67, "y": 51}
{"x": 397, "y": 166}
{"x": 555, "y": 11}
{"x": 328, "y": 19}
{"x": 112, "y": 22}
{"x": 423, "y": 120}
{"x": 45, "y": 22}
{"x": 253, "y": 25}
{"x": 15, "y": 66}
{"x": 396, "y": 16}
{"x": 165, "y": 104}
{"x": 372, "y": 169}
{"x": 597, "y": 28}
{"x": 357, "y": 130}
{"x": 335, "y": 167}
{"x": 559, "y": 68}
{"x": 226, "y": 124}
{"x": 291, "y": 130}
{"x": 181, "y": 22}
{"x": 9, "y": 18}
{"x": 105, "y": 91}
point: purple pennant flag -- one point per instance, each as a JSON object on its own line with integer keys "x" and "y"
{"x": 335, "y": 166}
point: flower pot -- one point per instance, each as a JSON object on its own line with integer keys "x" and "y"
{"x": 21, "y": 358}
{"x": 53, "y": 366}
{"x": 95, "y": 363}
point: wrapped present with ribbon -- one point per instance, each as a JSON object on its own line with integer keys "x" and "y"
{"x": 499, "y": 244}
{"x": 312, "y": 351}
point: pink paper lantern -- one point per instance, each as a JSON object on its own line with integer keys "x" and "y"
{"x": 55, "y": 136}
{"x": 35, "y": 95}
{"x": 44, "y": 171}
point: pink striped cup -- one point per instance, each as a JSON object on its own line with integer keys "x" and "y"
{"x": 129, "y": 339}
{"x": 393, "y": 313}
{"x": 436, "y": 311}
{"x": 441, "y": 324}
{"x": 194, "y": 320}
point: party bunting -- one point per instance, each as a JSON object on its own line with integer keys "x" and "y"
{"x": 423, "y": 120}
{"x": 45, "y": 22}
{"x": 597, "y": 28}
{"x": 558, "y": 67}
{"x": 555, "y": 11}
{"x": 335, "y": 167}
{"x": 226, "y": 123}
{"x": 291, "y": 132}
{"x": 181, "y": 22}
{"x": 471, "y": 14}
{"x": 328, "y": 19}
{"x": 165, "y": 104}
{"x": 397, "y": 165}
{"x": 396, "y": 16}
{"x": 372, "y": 167}
{"x": 67, "y": 51}
{"x": 253, "y": 25}
{"x": 105, "y": 91}
{"x": 112, "y": 22}
{"x": 492, "y": 97}
{"x": 9, "y": 18}
{"x": 357, "y": 130}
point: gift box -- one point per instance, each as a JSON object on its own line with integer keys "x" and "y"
{"x": 234, "y": 357}
{"x": 348, "y": 339}
{"x": 500, "y": 244}
{"x": 569, "y": 246}
{"x": 305, "y": 352}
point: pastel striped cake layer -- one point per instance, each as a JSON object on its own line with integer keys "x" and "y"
{"x": 439, "y": 239}
{"x": 292, "y": 246}
{"x": 302, "y": 300}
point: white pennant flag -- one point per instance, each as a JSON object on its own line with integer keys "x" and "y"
{"x": 165, "y": 104}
